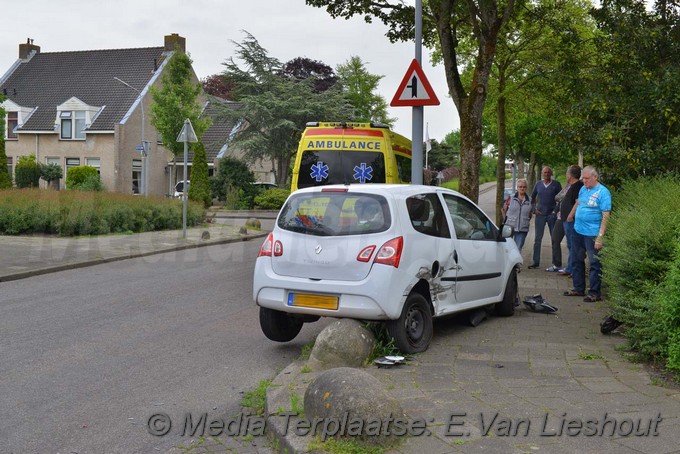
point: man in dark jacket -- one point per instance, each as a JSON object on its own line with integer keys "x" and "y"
{"x": 543, "y": 198}
{"x": 570, "y": 198}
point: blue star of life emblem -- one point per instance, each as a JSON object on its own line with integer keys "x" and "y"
{"x": 319, "y": 171}
{"x": 363, "y": 173}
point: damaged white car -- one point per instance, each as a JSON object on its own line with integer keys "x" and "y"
{"x": 402, "y": 254}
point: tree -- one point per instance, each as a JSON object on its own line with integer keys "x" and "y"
{"x": 633, "y": 110}
{"x": 27, "y": 172}
{"x": 199, "y": 189}
{"x": 320, "y": 73}
{"x": 175, "y": 101}
{"x": 361, "y": 87}
{"x": 5, "y": 179}
{"x": 51, "y": 172}
{"x": 446, "y": 23}
{"x": 276, "y": 107}
{"x": 217, "y": 85}
{"x": 234, "y": 177}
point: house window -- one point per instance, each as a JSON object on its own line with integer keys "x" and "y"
{"x": 12, "y": 122}
{"x": 72, "y": 124}
{"x": 71, "y": 162}
{"x": 136, "y": 175}
{"x": 9, "y": 166}
{"x": 94, "y": 162}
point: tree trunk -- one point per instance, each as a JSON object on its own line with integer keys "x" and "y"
{"x": 470, "y": 104}
{"x": 502, "y": 145}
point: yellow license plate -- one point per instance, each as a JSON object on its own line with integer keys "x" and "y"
{"x": 315, "y": 301}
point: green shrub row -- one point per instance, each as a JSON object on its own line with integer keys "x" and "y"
{"x": 68, "y": 213}
{"x": 641, "y": 266}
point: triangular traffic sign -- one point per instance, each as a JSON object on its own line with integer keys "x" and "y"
{"x": 414, "y": 89}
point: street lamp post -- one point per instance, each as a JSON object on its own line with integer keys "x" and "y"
{"x": 145, "y": 144}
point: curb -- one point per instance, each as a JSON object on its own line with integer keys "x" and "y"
{"x": 83, "y": 264}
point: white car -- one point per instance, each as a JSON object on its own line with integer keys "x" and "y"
{"x": 402, "y": 254}
{"x": 179, "y": 188}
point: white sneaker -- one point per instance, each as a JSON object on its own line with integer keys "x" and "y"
{"x": 552, "y": 269}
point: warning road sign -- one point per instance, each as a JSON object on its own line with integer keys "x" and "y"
{"x": 414, "y": 89}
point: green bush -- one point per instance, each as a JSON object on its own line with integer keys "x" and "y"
{"x": 92, "y": 182}
{"x": 27, "y": 172}
{"x": 639, "y": 254}
{"x": 668, "y": 297}
{"x": 271, "y": 199}
{"x": 76, "y": 176}
{"x": 5, "y": 179}
{"x": 234, "y": 181}
{"x": 68, "y": 213}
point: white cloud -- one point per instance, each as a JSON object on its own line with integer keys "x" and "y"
{"x": 286, "y": 28}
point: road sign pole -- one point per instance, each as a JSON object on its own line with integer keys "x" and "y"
{"x": 185, "y": 190}
{"x": 186, "y": 135}
{"x": 417, "y": 115}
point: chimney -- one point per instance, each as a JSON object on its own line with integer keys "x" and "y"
{"x": 174, "y": 41}
{"x": 26, "y": 50}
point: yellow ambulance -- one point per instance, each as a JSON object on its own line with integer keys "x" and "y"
{"x": 350, "y": 153}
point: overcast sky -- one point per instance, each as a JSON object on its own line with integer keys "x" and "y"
{"x": 286, "y": 28}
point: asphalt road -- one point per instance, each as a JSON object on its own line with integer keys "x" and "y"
{"x": 88, "y": 355}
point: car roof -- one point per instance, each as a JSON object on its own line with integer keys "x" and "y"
{"x": 395, "y": 190}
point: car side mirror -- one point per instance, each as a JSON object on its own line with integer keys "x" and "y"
{"x": 507, "y": 231}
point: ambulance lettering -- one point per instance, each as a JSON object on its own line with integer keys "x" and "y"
{"x": 373, "y": 145}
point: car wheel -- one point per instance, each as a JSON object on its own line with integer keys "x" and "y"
{"x": 412, "y": 331}
{"x": 506, "y": 307}
{"x": 279, "y": 326}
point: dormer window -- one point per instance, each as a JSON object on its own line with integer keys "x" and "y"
{"x": 72, "y": 124}
{"x": 12, "y": 122}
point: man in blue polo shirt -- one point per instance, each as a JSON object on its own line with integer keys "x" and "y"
{"x": 590, "y": 215}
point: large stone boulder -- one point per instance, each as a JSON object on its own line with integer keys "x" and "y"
{"x": 343, "y": 343}
{"x": 354, "y": 405}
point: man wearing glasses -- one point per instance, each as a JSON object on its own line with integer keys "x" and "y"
{"x": 590, "y": 215}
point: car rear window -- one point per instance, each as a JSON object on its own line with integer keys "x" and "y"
{"x": 335, "y": 213}
{"x": 319, "y": 168}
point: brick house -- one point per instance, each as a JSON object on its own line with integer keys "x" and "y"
{"x": 83, "y": 108}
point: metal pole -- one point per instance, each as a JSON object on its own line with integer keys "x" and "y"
{"x": 184, "y": 188}
{"x": 145, "y": 160}
{"x": 418, "y": 111}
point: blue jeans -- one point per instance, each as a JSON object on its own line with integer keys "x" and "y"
{"x": 569, "y": 233}
{"x": 519, "y": 238}
{"x": 585, "y": 246}
{"x": 541, "y": 221}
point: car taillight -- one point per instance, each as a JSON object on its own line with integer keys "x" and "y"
{"x": 266, "y": 249}
{"x": 366, "y": 253}
{"x": 390, "y": 252}
{"x": 278, "y": 249}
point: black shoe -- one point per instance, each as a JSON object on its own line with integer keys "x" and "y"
{"x": 534, "y": 266}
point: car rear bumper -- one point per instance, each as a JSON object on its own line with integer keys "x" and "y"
{"x": 362, "y": 299}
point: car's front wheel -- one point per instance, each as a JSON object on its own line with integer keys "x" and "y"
{"x": 279, "y": 326}
{"x": 412, "y": 331}
{"x": 506, "y": 307}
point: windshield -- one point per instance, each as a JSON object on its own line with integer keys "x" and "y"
{"x": 319, "y": 168}
{"x": 339, "y": 213}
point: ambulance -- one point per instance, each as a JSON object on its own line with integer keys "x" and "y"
{"x": 350, "y": 153}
